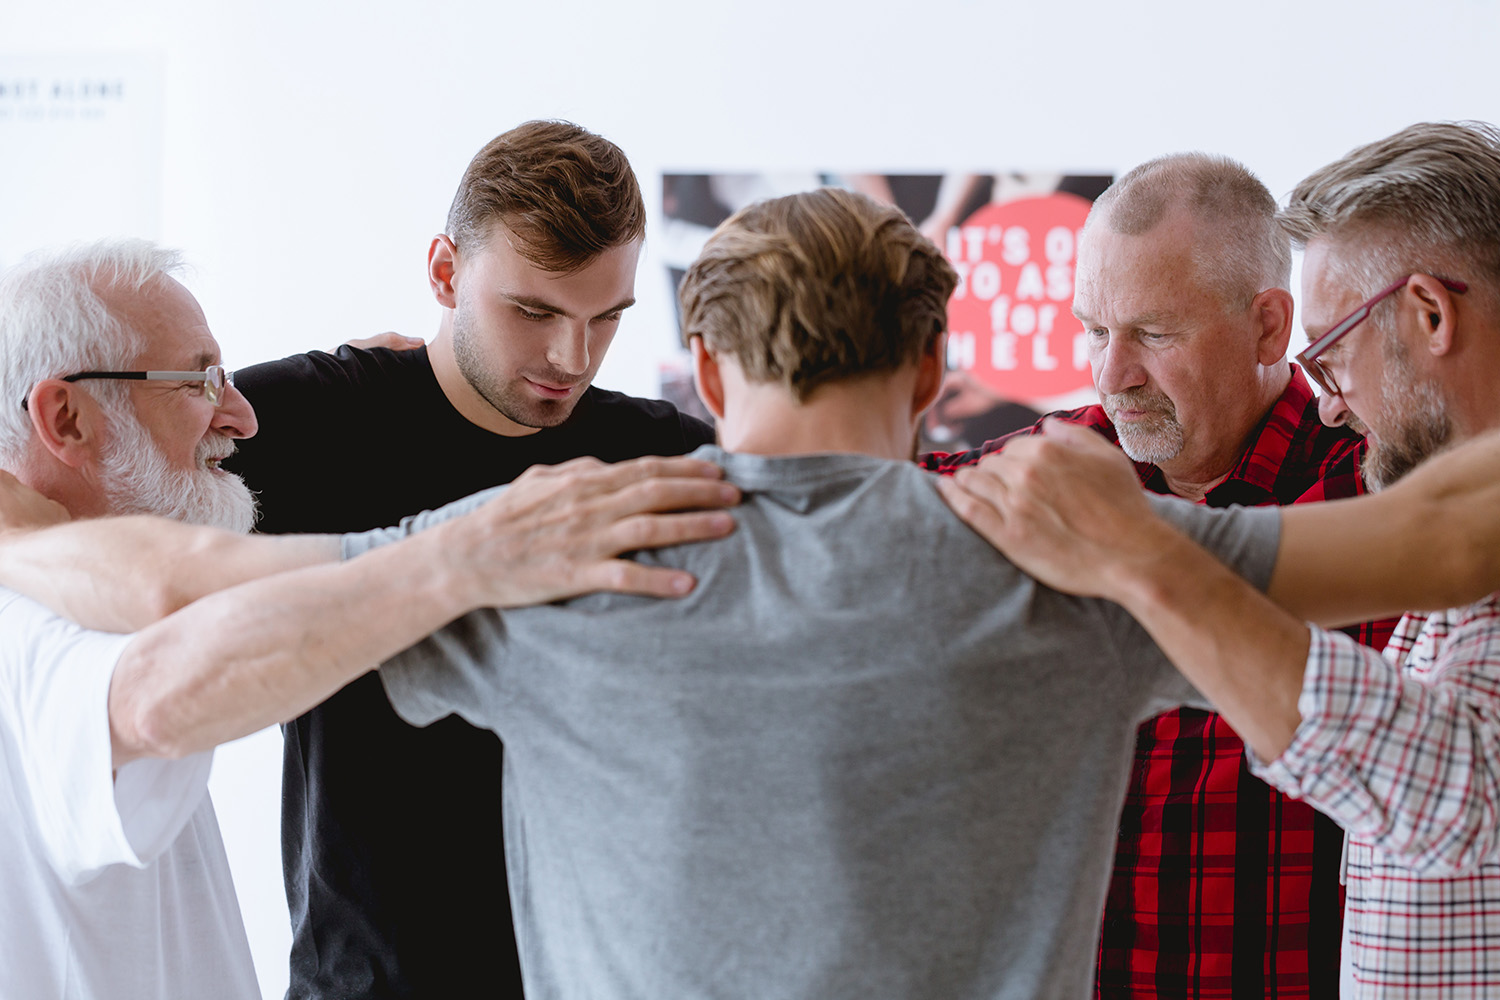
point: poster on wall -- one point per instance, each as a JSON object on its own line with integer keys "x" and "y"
{"x": 80, "y": 148}
{"x": 1014, "y": 348}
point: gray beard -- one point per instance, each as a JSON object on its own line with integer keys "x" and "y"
{"x": 1155, "y": 441}
{"x": 1424, "y": 429}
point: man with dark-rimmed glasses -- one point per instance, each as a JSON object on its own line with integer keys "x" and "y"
{"x": 1401, "y": 292}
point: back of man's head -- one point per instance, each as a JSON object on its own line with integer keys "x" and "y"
{"x": 55, "y": 319}
{"x": 565, "y": 194}
{"x": 1237, "y": 248}
{"x": 1426, "y": 199}
{"x": 817, "y": 287}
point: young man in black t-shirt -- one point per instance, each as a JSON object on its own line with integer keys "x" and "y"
{"x": 391, "y": 834}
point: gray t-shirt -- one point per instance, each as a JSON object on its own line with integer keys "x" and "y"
{"x": 866, "y": 757}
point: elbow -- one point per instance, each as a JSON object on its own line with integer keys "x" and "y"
{"x": 143, "y": 721}
{"x": 144, "y": 729}
{"x": 158, "y": 735}
{"x": 1457, "y": 849}
{"x": 1444, "y": 866}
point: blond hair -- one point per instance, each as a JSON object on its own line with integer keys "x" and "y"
{"x": 817, "y": 287}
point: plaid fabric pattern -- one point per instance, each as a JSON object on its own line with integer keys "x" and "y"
{"x": 1405, "y": 752}
{"x": 1224, "y": 887}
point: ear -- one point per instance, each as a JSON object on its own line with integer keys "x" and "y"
{"x": 66, "y": 420}
{"x": 1272, "y": 310}
{"x": 442, "y": 259}
{"x": 931, "y": 367}
{"x": 1436, "y": 312}
{"x": 707, "y": 377}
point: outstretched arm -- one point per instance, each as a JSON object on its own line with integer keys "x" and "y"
{"x": 121, "y": 574}
{"x": 270, "y": 649}
{"x": 1066, "y": 507}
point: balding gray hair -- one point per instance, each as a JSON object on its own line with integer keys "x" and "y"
{"x": 1238, "y": 250}
{"x": 54, "y": 322}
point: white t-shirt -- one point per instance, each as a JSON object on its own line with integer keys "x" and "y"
{"x": 108, "y": 889}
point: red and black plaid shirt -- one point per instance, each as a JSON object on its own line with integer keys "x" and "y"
{"x": 1203, "y": 841}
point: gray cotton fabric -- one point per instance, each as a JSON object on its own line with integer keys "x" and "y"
{"x": 866, "y": 757}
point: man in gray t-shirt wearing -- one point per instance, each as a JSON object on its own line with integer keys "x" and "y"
{"x": 866, "y": 757}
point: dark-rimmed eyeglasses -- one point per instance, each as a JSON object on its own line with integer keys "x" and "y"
{"x": 1308, "y": 359}
{"x": 215, "y": 379}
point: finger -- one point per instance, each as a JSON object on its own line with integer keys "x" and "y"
{"x": 654, "y": 531}
{"x": 625, "y": 577}
{"x": 991, "y": 479}
{"x": 590, "y": 477}
{"x": 972, "y": 509}
{"x": 661, "y": 496}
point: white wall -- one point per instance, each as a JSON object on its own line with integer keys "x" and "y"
{"x": 311, "y": 148}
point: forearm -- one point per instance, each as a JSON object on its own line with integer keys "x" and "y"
{"x": 1241, "y": 651}
{"x": 120, "y": 574}
{"x": 1431, "y": 541}
{"x": 1411, "y": 768}
{"x": 268, "y": 650}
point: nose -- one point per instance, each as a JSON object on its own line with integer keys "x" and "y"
{"x": 1332, "y": 409}
{"x": 1116, "y": 367}
{"x": 235, "y": 417}
{"x": 569, "y": 350}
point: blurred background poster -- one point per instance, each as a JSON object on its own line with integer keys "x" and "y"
{"x": 98, "y": 114}
{"x": 1014, "y": 348}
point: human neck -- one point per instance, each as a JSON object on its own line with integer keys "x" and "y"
{"x": 79, "y": 491}
{"x": 868, "y": 416}
{"x": 464, "y": 398}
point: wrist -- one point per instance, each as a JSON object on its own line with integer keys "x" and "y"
{"x": 1150, "y": 569}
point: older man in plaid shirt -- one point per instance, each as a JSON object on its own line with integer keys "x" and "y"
{"x": 1401, "y": 284}
{"x": 1223, "y": 887}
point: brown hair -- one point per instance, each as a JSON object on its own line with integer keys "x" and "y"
{"x": 1238, "y": 250}
{"x": 565, "y": 193}
{"x": 817, "y": 287}
{"x": 1425, "y": 199}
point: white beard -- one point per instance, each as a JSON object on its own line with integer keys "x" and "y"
{"x": 138, "y": 479}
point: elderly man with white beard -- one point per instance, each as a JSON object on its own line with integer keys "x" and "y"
{"x": 115, "y": 882}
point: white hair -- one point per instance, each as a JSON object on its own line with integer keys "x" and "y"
{"x": 54, "y": 322}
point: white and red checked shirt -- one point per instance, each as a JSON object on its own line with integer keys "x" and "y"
{"x": 1404, "y": 752}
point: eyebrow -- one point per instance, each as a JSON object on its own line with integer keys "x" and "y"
{"x": 1149, "y": 319}
{"x": 542, "y": 305}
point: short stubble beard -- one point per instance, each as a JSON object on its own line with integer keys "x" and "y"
{"x": 1424, "y": 427}
{"x": 506, "y": 398}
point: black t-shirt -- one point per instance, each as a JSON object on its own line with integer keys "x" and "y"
{"x": 391, "y": 835}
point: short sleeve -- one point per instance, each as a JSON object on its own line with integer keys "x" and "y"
{"x": 360, "y": 542}
{"x": 56, "y": 708}
{"x": 1243, "y": 538}
{"x": 451, "y": 671}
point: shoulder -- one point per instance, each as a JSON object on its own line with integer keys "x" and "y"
{"x": 346, "y": 368}
{"x": 644, "y": 426}
{"x": 1092, "y": 417}
{"x": 53, "y": 652}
